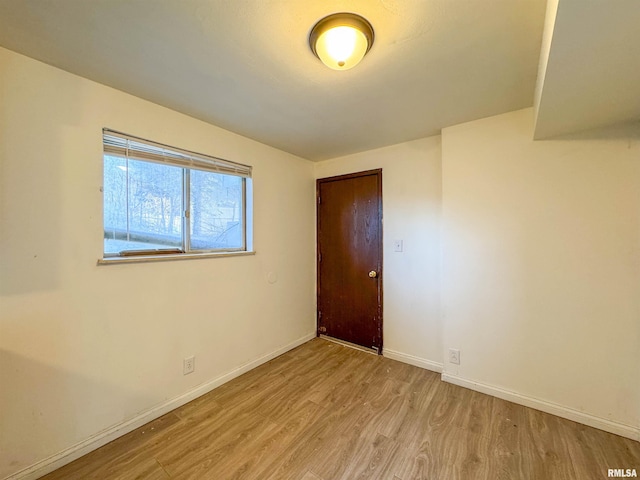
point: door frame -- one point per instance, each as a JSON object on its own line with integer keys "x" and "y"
{"x": 378, "y": 173}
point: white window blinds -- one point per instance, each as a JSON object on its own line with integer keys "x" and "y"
{"x": 127, "y": 146}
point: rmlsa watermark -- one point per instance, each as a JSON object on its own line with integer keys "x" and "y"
{"x": 622, "y": 472}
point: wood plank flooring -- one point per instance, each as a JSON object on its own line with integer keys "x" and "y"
{"x": 327, "y": 412}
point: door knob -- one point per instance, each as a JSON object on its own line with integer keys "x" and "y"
{"x": 373, "y": 274}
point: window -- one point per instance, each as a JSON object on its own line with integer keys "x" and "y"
{"x": 161, "y": 200}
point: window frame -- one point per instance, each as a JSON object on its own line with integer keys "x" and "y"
{"x": 187, "y": 161}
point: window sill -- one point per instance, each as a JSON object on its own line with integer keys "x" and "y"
{"x": 170, "y": 257}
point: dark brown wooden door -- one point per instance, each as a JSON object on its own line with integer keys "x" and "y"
{"x": 350, "y": 258}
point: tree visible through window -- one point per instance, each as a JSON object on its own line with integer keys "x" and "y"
{"x": 155, "y": 204}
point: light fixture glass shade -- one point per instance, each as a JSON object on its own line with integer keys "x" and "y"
{"x": 341, "y": 40}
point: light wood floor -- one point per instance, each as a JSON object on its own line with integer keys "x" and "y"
{"x": 326, "y": 412}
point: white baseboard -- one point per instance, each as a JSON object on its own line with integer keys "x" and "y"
{"x": 413, "y": 360}
{"x": 102, "y": 438}
{"x": 621, "y": 429}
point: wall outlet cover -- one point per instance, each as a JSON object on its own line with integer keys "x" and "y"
{"x": 189, "y": 365}
{"x": 454, "y": 356}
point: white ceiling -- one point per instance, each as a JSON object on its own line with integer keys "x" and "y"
{"x": 245, "y": 65}
{"x": 590, "y": 73}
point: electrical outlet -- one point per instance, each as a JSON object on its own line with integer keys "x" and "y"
{"x": 454, "y": 356}
{"x": 189, "y": 365}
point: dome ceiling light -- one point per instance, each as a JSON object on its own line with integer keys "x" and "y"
{"x": 341, "y": 40}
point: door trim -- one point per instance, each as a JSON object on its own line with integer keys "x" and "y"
{"x": 377, "y": 172}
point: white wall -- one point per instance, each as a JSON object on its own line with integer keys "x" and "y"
{"x": 86, "y": 347}
{"x": 411, "y": 279}
{"x": 541, "y": 264}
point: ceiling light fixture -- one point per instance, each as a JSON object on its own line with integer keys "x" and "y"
{"x": 341, "y": 40}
